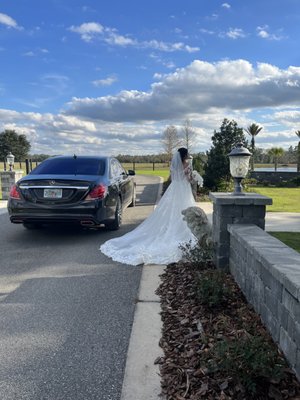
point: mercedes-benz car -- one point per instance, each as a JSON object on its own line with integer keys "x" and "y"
{"x": 90, "y": 191}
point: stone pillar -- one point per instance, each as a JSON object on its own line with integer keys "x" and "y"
{"x": 231, "y": 209}
{"x": 8, "y": 178}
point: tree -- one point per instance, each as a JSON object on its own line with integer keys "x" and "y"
{"x": 253, "y": 130}
{"x": 276, "y": 153}
{"x": 188, "y": 135}
{"x": 10, "y": 141}
{"x": 298, "y": 152}
{"x": 217, "y": 166}
{"x": 170, "y": 140}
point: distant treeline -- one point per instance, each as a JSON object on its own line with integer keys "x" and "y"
{"x": 261, "y": 156}
{"x": 123, "y": 158}
{"x": 149, "y": 158}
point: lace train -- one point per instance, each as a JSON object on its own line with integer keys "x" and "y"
{"x": 157, "y": 239}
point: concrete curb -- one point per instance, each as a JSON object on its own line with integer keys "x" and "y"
{"x": 3, "y": 206}
{"x": 141, "y": 378}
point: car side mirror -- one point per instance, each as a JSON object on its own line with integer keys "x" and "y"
{"x": 130, "y": 172}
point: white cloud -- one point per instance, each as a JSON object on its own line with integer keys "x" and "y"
{"x": 88, "y": 31}
{"x": 8, "y": 21}
{"x": 226, "y": 5}
{"x": 105, "y": 82}
{"x": 290, "y": 118}
{"x": 206, "y": 31}
{"x": 263, "y": 32}
{"x": 92, "y": 31}
{"x": 204, "y": 92}
{"x": 234, "y": 33}
{"x": 29, "y": 54}
{"x": 37, "y": 52}
{"x": 236, "y": 85}
{"x": 113, "y": 38}
{"x": 212, "y": 17}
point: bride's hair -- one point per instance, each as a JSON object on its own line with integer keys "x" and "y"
{"x": 183, "y": 153}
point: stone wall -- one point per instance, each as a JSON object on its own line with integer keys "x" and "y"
{"x": 273, "y": 177}
{"x": 7, "y": 180}
{"x": 268, "y": 272}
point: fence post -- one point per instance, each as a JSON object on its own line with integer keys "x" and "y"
{"x": 27, "y": 166}
{"x": 133, "y": 165}
{"x": 153, "y": 166}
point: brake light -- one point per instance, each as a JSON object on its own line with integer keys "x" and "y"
{"x": 14, "y": 193}
{"x": 98, "y": 192}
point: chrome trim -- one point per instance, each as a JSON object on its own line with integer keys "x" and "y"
{"x": 53, "y": 187}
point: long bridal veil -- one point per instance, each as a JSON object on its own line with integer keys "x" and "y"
{"x": 157, "y": 239}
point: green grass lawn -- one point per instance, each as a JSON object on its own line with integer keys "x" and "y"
{"x": 284, "y": 199}
{"x": 291, "y": 239}
{"x": 164, "y": 173}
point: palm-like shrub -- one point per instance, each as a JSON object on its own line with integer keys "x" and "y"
{"x": 253, "y": 130}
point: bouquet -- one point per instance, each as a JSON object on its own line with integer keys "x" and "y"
{"x": 196, "y": 177}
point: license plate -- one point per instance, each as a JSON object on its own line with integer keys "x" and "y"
{"x": 53, "y": 193}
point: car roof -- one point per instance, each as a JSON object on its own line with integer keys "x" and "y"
{"x": 82, "y": 157}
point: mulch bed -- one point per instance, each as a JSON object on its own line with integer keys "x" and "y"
{"x": 190, "y": 369}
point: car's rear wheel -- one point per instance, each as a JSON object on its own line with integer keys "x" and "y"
{"x": 133, "y": 202}
{"x": 32, "y": 225}
{"x": 116, "y": 223}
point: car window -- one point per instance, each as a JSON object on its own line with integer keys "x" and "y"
{"x": 116, "y": 168}
{"x": 70, "y": 166}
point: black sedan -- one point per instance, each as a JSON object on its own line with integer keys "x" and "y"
{"x": 89, "y": 191}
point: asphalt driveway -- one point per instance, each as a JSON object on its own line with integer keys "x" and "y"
{"x": 66, "y": 310}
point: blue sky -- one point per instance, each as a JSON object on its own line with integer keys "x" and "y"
{"x": 108, "y": 77}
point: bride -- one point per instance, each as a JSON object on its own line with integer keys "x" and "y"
{"x": 156, "y": 240}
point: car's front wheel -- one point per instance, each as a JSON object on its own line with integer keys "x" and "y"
{"x": 116, "y": 223}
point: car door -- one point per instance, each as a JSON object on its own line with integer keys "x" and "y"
{"x": 125, "y": 183}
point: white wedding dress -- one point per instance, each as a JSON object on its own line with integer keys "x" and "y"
{"x": 156, "y": 240}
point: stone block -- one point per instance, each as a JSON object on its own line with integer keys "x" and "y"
{"x": 270, "y": 322}
{"x": 297, "y": 365}
{"x": 255, "y": 212}
{"x": 271, "y": 301}
{"x": 283, "y": 316}
{"x": 292, "y": 304}
{"x": 222, "y": 250}
{"x": 290, "y": 278}
{"x": 222, "y": 262}
{"x": 273, "y": 284}
{"x": 288, "y": 346}
{"x": 220, "y": 198}
{"x": 221, "y": 236}
{"x": 259, "y": 293}
{"x": 238, "y": 276}
{"x": 232, "y": 210}
{"x": 280, "y": 254}
{"x": 255, "y": 265}
{"x": 223, "y": 223}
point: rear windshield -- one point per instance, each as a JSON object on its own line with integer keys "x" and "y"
{"x": 70, "y": 166}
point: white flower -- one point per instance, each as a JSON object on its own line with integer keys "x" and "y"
{"x": 197, "y": 178}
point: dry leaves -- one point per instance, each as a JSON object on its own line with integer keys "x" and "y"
{"x": 189, "y": 333}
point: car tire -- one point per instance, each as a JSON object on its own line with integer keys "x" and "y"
{"x": 116, "y": 223}
{"x": 133, "y": 201}
{"x": 31, "y": 225}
